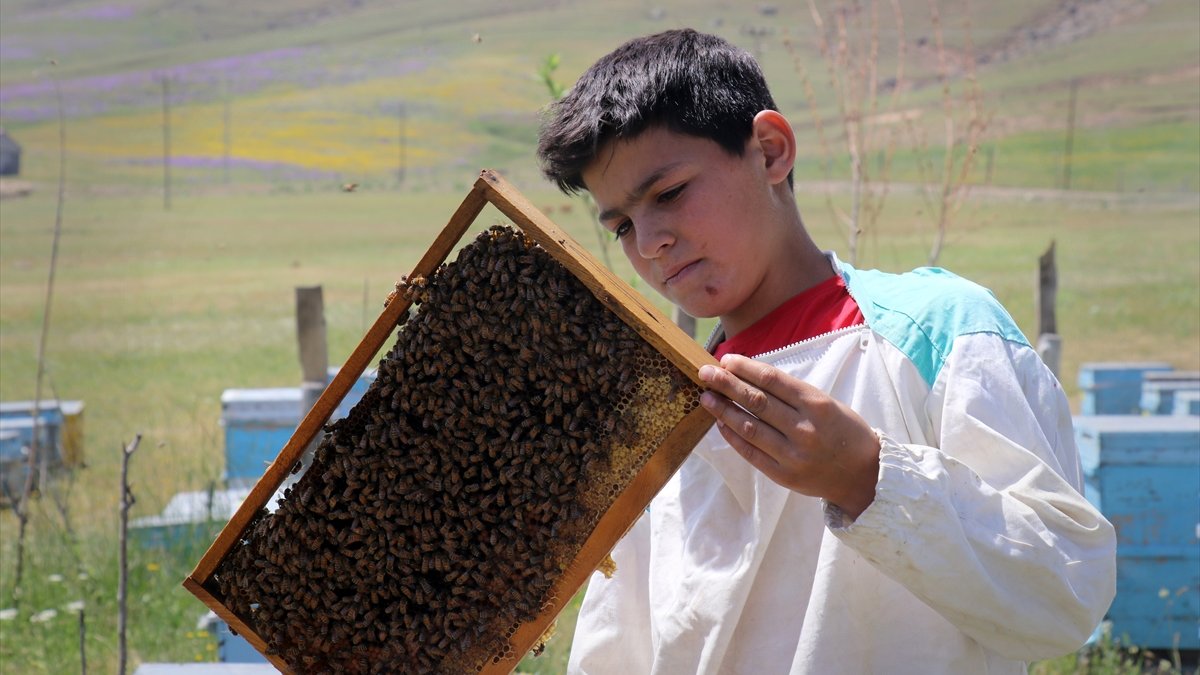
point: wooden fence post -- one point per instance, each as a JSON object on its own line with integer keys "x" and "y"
{"x": 314, "y": 351}
{"x": 1049, "y": 342}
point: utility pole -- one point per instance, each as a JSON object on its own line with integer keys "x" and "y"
{"x": 166, "y": 129}
{"x": 1070, "y": 149}
{"x": 225, "y": 123}
{"x": 402, "y": 135}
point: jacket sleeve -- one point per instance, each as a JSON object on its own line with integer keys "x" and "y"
{"x": 987, "y": 524}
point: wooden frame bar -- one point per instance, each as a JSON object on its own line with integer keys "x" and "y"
{"x": 650, "y": 323}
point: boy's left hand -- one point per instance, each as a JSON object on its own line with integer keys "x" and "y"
{"x": 793, "y": 432}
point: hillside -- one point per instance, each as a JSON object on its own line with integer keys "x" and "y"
{"x": 286, "y": 93}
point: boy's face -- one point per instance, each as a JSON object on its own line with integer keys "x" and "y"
{"x": 698, "y": 224}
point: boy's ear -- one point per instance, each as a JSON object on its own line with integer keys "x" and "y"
{"x": 773, "y": 134}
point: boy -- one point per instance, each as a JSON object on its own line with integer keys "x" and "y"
{"x": 892, "y": 483}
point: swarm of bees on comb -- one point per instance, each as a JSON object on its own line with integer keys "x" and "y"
{"x": 437, "y": 516}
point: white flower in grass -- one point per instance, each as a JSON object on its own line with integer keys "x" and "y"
{"x": 75, "y": 606}
{"x": 82, "y": 576}
{"x": 43, "y": 616}
{"x": 55, "y": 578}
{"x": 8, "y": 614}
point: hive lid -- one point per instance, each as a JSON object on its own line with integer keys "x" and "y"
{"x": 1172, "y": 379}
{"x": 48, "y": 407}
{"x": 274, "y": 404}
{"x": 1116, "y": 373}
{"x": 1137, "y": 439}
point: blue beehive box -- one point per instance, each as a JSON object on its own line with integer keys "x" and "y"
{"x": 1160, "y": 389}
{"x": 205, "y": 669}
{"x": 16, "y": 426}
{"x": 59, "y": 433}
{"x": 190, "y": 519}
{"x": 258, "y": 423}
{"x": 1186, "y": 403}
{"x": 354, "y": 395}
{"x": 1114, "y": 388}
{"x": 16, "y": 436}
{"x": 14, "y": 459}
{"x": 50, "y": 410}
{"x": 231, "y": 648}
{"x": 1143, "y": 473}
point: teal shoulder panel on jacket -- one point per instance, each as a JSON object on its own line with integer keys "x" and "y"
{"x": 922, "y": 312}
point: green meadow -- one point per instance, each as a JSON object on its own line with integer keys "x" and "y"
{"x": 272, "y": 110}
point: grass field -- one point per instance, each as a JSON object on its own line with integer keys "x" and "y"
{"x": 157, "y": 311}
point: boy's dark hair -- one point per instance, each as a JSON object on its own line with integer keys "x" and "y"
{"x": 691, "y": 83}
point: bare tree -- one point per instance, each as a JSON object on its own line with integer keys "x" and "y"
{"x": 868, "y": 113}
{"x": 849, "y": 45}
{"x": 127, "y": 501}
{"x": 38, "y": 457}
{"x": 82, "y": 642}
{"x": 945, "y": 187}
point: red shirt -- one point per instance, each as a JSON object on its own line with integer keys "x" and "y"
{"x": 821, "y": 309}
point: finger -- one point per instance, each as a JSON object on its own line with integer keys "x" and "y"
{"x": 749, "y": 430}
{"x": 756, "y": 457}
{"x": 767, "y": 378}
{"x": 780, "y": 406}
{"x": 752, "y": 399}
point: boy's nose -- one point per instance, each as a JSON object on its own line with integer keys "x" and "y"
{"x": 653, "y": 238}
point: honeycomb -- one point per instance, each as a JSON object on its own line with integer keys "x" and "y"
{"x": 435, "y": 519}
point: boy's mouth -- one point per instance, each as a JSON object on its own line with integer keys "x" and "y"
{"x": 674, "y": 275}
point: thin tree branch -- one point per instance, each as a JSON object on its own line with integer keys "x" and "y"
{"x": 127, "y": 501}
{"x": 35, "y": 451}
{"x": 82, "y": 636}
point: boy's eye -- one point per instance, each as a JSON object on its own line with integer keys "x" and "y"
{"x": 622, "y": 228}
{"x": 671, "y": 194}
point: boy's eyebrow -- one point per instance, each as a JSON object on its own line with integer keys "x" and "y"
{"x": 638, "y": 192}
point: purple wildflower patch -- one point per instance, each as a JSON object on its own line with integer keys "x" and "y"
{"x": 282, "y": 170}
{"x": 11, "y": 52}
{"x": 201, "y": 81}
{"x": 101, "y": 13}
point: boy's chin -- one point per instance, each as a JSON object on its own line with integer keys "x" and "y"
{"x": 695, "y": 311}
{"x": 699, "y": 305}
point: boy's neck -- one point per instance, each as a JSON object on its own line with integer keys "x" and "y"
{"x": 797, "y": 266}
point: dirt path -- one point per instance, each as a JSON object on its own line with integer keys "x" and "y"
{"x": 1137, "y": 200}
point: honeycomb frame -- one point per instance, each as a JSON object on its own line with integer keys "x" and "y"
{"x": 653, "y": 327}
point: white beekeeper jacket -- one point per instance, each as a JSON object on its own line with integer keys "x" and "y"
{"x": 978, "y": 554}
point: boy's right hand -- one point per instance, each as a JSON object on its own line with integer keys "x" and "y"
{"x": 796, "y": 434}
